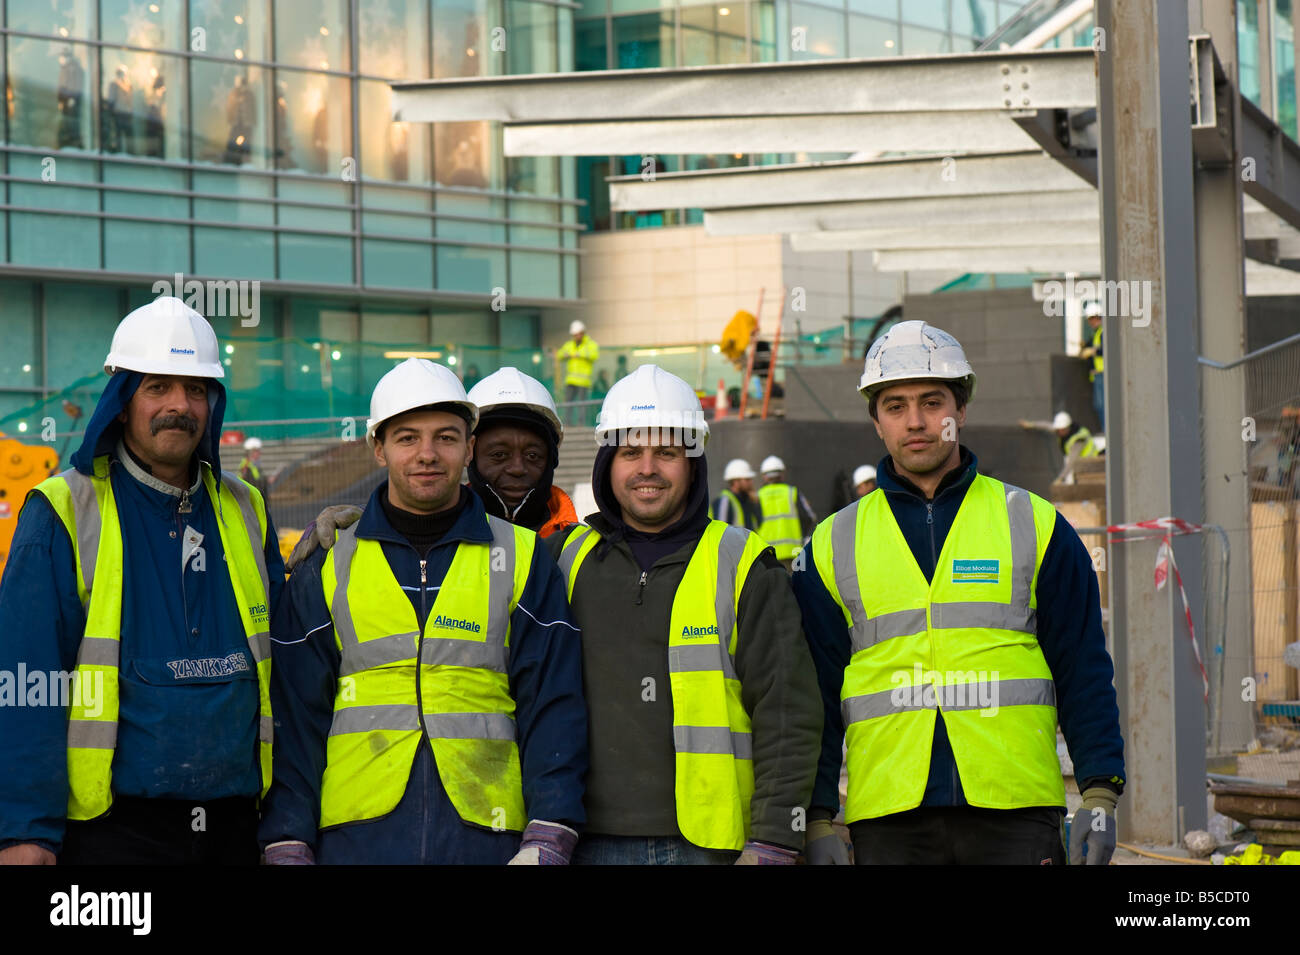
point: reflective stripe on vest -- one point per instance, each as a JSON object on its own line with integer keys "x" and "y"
{"x": 780, "y": 527}
{"x": 918, "y": 647}
{"x": 463, "y": 706}
{"x": 1085, "y": 436}
{"x": 88, "y": 510}
{"x": 736, "y": 513}
{"x": 712, "y": 794}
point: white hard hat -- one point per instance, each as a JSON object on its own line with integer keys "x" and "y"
{"x": 915, "y": 351}
{"x": 253, "y": 444}
{"x": 864, "y": 473}
{"x": 1091, "y": 308}
{"x": 165, "y": 337}
{"x": 511, "y": 388}
{"x": 771, "y": 464}
{"x": 1062, "y": 419}
{"x": 737, "y": 469}
{"x": 576, "y": 326}
{"x": 651, "y": 398}
{"x": 415, "y": 383}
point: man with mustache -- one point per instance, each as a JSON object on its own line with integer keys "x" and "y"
{"x": 427, "y": 683}
{"x": 152, "y": 574}
{"x": 704, "y": 710}
{"x": 954, "y": 620}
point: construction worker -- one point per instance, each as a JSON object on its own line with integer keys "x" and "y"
{"x": 704, "y": 713}
{"x": 735, "y": 505}
{"x": 864, "y": 480}
{"x": 516, "y": 451}
{"x": 427, "y": 679}
{"x": 148, "y": 574}
{"x": 578, "y": 354}
{"x": 954, "y": 620}
{"x": 250, "y": 470}
{"x": 1097, "y": 367}
{"x": 1076, "y": 441}
{"x": 787, "y": 517}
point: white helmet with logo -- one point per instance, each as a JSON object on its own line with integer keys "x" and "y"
{"x": 915, "y": 351}
{"x": 415, "y": 383}
{"x": 737, "y": 469}
{"x": 864, "y": 473}
{"x": 165, "y": 337}
{"x": 511, "y": 388}
{"x": 771, "y": 464}
{"x": 652, "y": 398}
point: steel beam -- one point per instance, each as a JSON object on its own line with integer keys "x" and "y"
{"x": 1153, "y": 405}
{"x": 1005, "y": 79}
{"x": 952, "y": 236}
{"x": 1031, "y": 259}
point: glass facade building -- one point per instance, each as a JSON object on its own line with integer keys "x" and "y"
{"x": 251, "y": 140}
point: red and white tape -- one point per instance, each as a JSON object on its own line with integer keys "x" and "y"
{"x": 1167, "y": 527}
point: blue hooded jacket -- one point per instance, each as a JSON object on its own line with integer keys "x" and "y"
{"x": 181, "y": 734}
{"x": 1069, "y": 633}
{"x": 545, "y": 678}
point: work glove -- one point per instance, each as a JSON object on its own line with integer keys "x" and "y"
{"x": 1092, "y": 830}
{"x": 320, "y": 532}
{"x": 823, "y": 845}
{"x": 289, "y": 853}
{"x": 545, "y": 843}
{"x": 764, "y": 853}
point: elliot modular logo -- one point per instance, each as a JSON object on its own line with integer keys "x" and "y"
{"x": 689, "y": 631}
{"x": 975, "y": 571}
{"x": 75, "y": 907}
{"x": 451, "y": 623}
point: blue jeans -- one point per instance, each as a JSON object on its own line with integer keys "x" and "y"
{"x": 647, "y": 850}
{"x": 1099, "y": 399}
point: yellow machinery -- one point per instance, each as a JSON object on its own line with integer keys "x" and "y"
{"x": 22, "y": 467}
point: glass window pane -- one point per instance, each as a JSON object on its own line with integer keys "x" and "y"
{"x": 888, "y": 9}
{"x": 535, "y": 274}
{"x": 49, "y": 82}
{"x": 926, "y": 13}
{"x": 465, "y": 269}
{"x": 230, "y": 28}
{"x": 462, "y": 38}
{"x": 569, "y": 265}
{"x": 64, "y": 18}
{"x": 50, "y": 241}
{"x": 592, "y": 8}
{"x": 397, "y": 265}
{"x": 313, "y": 122}
{"x": 148, "y": 247}
{"x": 1247, "y": 49}
{"x": 242, "y": 252}
{"x": 319, "y": 259}
{"x": 762, "y": 32}
{"x": 714, "y": 33}
{"x": 230, "y": 113}
{"x": 974, "y": 18}
{"x": 591, "y": 53}
{"x": 627, "y": 6}
{"x": 156, "y": 23}
{"x": 313, "y": 34}
{"x": 463, "y": 155}
{"x": 389, "y": 150}
{"x": 393, "y": 38}
{"x": 92, "y": 317}
{"x": 816, "y": 32}
{"x": 532, "y": 174}
{"x": 143, "y": 104}
{"x": 924, "y": 41}
{"x": 531, "y": 29}
{"x": 869, "y": 37}
{"x": 20, "y": 359}
{"x": 644, "y": 41}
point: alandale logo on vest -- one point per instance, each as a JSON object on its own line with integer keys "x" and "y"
{"x": 689, "y": 631}
{"x": 451, "y": 623}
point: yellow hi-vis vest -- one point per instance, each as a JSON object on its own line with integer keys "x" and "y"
{"x": 964, "y": 643}
{"x": 580, "y": 359}
{"x": 780, "y": 528}
{"x": 87, "y": 508}
{"x": 1085, "y": 436}
{"x": 1098, "y": 360}
{"x": 712, "y": 735}
{"x": 458, "y": 697}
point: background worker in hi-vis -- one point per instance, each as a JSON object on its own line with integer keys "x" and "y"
{"x": 954, "y": 620}
{"x": 427, "y": 680}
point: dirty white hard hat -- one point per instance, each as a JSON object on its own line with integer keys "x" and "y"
{"x": 915, "y": 351}
{"x": 165, "y": 337}
{"x": 737, "y": 469}
{"x": 511, "y": 388}
{"x": 576, "y": 326}
{"x": 1062, "y": 419}
{"x": 415, "y": 383}
{"x": 652, "y": 398}
{"x": 864, "y": 473}
{"x": 771, "y": 464}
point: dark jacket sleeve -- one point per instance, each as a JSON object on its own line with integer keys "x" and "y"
{"x": 41, "y": 625}
{"x": 831, "y": 647}
{"x": 779, "y": 691}
{"x": 546, "y": 683}
{"x": 274, "y": 566}
{"x": 304, "y": 681}
{"x": 1074, "y": 645}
